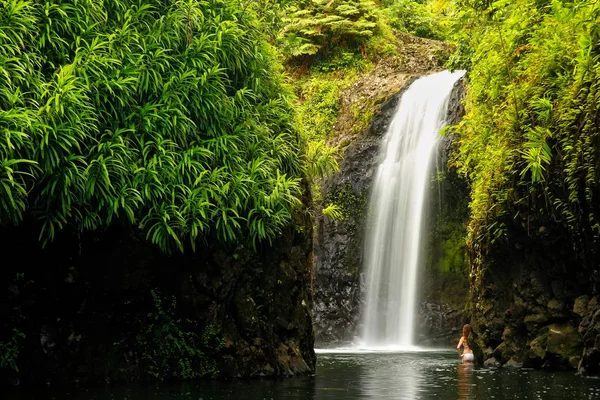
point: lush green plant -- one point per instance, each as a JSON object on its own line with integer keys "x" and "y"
{"x": 9, "y": 351}
{"x": 170, "y": 348}
{"x": 416, "y": 17}
{"x": 318, "y": 26}
{"x": 346, "y": 202}
{"x": 167, "y": 115}
{"x": 529, "y": 142}
{"x": 334, "y": 212}
{"x": 329, "y": 29}
{"x": 321, "y": 159}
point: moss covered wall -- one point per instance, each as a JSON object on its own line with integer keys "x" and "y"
{"x": 534, "y": 304}
{"x": 444, "y": 292}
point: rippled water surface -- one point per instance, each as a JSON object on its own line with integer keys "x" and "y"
{"x": 408, "y": 375}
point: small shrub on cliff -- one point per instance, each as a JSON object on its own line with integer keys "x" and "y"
{"x": 334, "y": 212}
{"x": 9, "y": 351}
{"x": 170, "y": 348}
{"x": 321, "y": 159}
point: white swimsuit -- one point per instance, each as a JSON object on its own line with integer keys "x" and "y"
{"x": 469, "y": 357}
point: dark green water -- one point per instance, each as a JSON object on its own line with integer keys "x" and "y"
{"x": 417, "y": 375}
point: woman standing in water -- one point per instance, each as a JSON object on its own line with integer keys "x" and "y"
{"x": 467, "y": 356}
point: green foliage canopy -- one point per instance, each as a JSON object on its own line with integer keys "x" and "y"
{"x": 167, "y": 115}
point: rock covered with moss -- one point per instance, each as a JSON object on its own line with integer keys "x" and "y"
{"x": 444, "y": 294}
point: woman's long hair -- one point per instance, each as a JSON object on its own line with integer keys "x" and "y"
{"x": 466, "y": 330}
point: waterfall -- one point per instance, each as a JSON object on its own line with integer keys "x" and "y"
{"x": 394, "y": 231}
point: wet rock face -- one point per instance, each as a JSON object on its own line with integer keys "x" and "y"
{"x": 88, "y": 308}
{"x": 440, "y": 325}
{"x": 589, "y": 330}
{"x": 456, "y": 110}
{"x": 338, "y": 245}
{"x": 339, "y": 279}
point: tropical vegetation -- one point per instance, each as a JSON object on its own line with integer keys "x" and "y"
{"x": 529, "y": 143}
{"x": 168, "y": 115}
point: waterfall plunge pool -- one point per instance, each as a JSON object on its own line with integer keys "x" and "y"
{"x": 346, "y": 374}
{"x": 387, "y": 366}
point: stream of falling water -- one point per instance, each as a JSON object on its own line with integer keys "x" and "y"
{"x": 394, "y": 231}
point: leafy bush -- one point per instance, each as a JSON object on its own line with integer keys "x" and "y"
{"x": 321, "y": 159}
{"x": 167, "y": 115}
{"x": 414, "y": 17}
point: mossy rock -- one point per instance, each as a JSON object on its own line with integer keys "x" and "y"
{"x": 564, "y": 342}
{"x": 503, "y": 353}
{"x": 537, "y": 351}
{"x": 514, "y": 363}
{"x": 532, "y": 322}
{"x": 538, "y": 346}
{"x": 580, "y": 307}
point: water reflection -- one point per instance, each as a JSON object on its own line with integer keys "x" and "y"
{"x": 392, "y": 379}
{"x": 330, "y": 384}
{"x": 406, "y": 376}
{"x": 465, "y": 382}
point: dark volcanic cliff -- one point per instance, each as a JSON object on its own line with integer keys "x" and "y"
{"x": 108, "y": 307}
{"x": 338, "y": 245}
{"x": 535, "y": 302}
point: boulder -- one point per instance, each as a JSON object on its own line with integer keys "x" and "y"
{"x": 535, "y": 321}
{"x": 563, "y": 345}
{"x": 513, "y": 363}
{"x": 581, "y": 305}
{"x": 491, "y": 363}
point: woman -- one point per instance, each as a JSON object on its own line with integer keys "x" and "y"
{"x": 467, "y": 356}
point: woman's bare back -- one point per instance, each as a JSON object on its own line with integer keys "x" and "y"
{"x": 464, "y": 341}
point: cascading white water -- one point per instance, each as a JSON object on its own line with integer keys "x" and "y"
{"x": 393, "y": 234}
